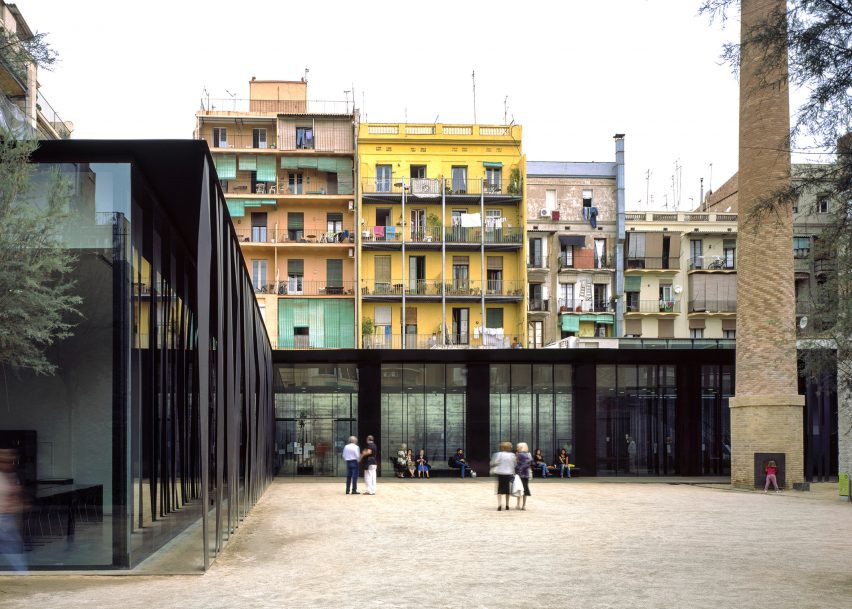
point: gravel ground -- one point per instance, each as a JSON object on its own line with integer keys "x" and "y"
{"x": 444, "y": 544}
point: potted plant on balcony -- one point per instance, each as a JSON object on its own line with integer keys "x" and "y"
{"x": 367, "y": 329}
{"x": 433, "y": 225}
{"x": 514, "y": 187}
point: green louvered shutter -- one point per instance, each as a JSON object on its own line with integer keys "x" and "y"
{"x": 236, "y": 208}
{"x": 226, "y": 166}
{"x": 289, "y": 162}
{"x": 295, "y": 220}
{"x": 266, "y": 169}
{"x": 248, "y": 162}
{"x": 334, "y": 273}
{"x": 493, "y": 318}
{"x": 345, "y": 183}
{"x": 325, "y": 163}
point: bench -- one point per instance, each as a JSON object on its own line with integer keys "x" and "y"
{"x": 553, "y": 470}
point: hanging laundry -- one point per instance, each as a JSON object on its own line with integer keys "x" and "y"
{"x": 379, "y": 231}
{"x": 471, "y": 220}
{"x": 593, "y": 216}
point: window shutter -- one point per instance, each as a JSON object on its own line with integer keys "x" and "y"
{"x": 334, "y": 273}
{"x": 729, "y": 324}
{"x": 495, "y": 263}
{"x": 632, "y": 283}
{"x": 696, "y": 324}
{"x": 295, "y": 220}
{"x": 665, "y": 328}
{"x": 295, "y": 267}
{"x": 382, "y": 267}
{"x": 633, "y": 326}
{"x": 226, "y": 166}
{"x": 461, "y": 259}
{"x": 266, "y": 169}
{"x": 383, "y": 316}
{"x": 328, "y": 164}
{"x": 410, "y": 315}
{"x": 494, "y": 318}
{"x": 248, "y": 162}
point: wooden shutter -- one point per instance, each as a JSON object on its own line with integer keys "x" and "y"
{"x": 633, "y": 326}
{"x": 665, "y": 328}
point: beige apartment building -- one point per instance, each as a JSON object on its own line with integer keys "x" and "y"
{"x": 571, "y": 250}
{"x": 286, "y": 165}
{"x": 24, "y": 110}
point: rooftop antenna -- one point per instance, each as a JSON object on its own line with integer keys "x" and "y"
{"x": 305, "y": 77}
{"x": 205, "y": 94}
{"x": 648, "y": 188}
{"x": 473, "y": 77}
{"x": 710, "y": 181}
{"x": 437, "y": 116}
{"x": 505, "y": 108}
{"x": 233, "y": 98}
{"x": 346, "y": 93}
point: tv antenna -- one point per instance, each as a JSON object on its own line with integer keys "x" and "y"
{"x": 647, "y": 188}
{"x": 346, "y": 93}
{"x": 473, "y": 78}
{"x": 505, "y": 108}
{"x": 305, "y": 77}
{"x": 233, "y": 98}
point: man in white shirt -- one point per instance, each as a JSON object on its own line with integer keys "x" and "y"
{"x": 351, "y": 454}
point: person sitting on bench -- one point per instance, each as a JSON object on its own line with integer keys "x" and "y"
{"x": 539, "y": 463}
{"x": 457, "y": 461}
{"x": 562, "y": 464}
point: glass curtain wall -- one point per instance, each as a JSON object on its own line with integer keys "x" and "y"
{"x": 424, "y": 407}
{"x": 717, "y": 387}
{"x": 533, "y": 403}
{"x": 636, "y": 420}
{"x": 316, "y": 410}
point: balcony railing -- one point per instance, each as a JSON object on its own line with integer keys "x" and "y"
{"x": 52, "y": 117}
{"x": 299, "y": 287}
{"x": 713, "y": 305}
{"x": 712, "y": 263}
{"x": 653, "y": 306}
{"x": 244, "y": 141}
{"x": 641, "y": 216}
{"x": 317, "y": 234}
{"x": 435, "y": 187}
{"x": 453, "y": 234}
{"x": 658, "y": 263}
{"x": 583, "y": 306}
{"x": 538, "y": 304}
{"x": 492, "y": 339}
{"x": 230, "y": 106}
{"x": 434, "y": 287}
{"x": 536, "y": 262}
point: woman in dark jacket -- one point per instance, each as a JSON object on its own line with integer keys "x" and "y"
{"x": 562, "y": 463}
{"x": 540, "y": 463}
{"x": 524, "y": 470}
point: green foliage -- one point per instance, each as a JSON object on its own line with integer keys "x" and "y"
{"x": 17, "y": 55}
{"x": 36, "y": 298}
{"x": 367, "y": 326}
{"x": 515, "y": 185}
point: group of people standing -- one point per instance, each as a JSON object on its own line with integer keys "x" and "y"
{"x": 506, "y": 465}
{"x": 368, "y": 457}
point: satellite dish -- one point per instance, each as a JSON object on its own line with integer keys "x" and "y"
{"x": 678, "y": 289}
{"x": 803, "y": 323}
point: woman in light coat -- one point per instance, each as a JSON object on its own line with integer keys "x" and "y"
{"x": 503, "y": 466}
{"x": 523, "y": 468}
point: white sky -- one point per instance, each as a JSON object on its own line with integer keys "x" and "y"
{"x": 575, "y": 72}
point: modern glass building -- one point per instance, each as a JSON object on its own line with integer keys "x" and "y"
{"x": 157, "y": 424}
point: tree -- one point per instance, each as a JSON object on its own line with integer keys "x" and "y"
{"x": 815, "y": 37}
{"x": 36, "y": 291}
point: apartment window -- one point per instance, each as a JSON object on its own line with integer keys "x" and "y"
{"x": 382, "y": 326}
{"x": 632, "y": 301}
{"x": 383, "y": 178}
{"x": 295, "y": 226}
{"x": 493, "y": 178}
{"x": 461, "y": 326}
{"x": 461, "y": 275}
{"x": 729, "y": 247}
{"x": 535, "y": 336}
{"x": 600, "y": 253}
{"x": 729, "y": 333}
{"x": 601, "y": 301}
{"x": 258, "y": 227}
{"x": 695, "y": 253}
{"x": 258, "y": 138}
{"x": 258, "y": 274}
{"x": 666, "y": 293}
{"x": 304, "y": 138}
{"x": 334, "y": 276}
{"x": 295, "y": 184}
{"x": 567, "y": 258}
{"x": 822, "y": 204}
{"x": 696, "y": 333}
{"x": 334, "y": 222}
{"x": 566, "y": 296}
{"x": 550, "y": 199}
{"x": 587, "y": 198}
{"x": 494, "y": 274}
{"x": 801, "y": 247}
{"x": 536, "y": 259}
{"x": 295, "y": 276}
{"x": 220, "y": 137}
{"x": 459, "y": 180}
{"x": 418, "y": 172}
{"x": 301, "y": 337}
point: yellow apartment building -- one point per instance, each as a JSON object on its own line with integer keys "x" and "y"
{"x": 286, "y": 165}
{"x": 441, "y": 224}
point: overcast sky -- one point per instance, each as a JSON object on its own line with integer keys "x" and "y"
{"x": 575, "y": 73}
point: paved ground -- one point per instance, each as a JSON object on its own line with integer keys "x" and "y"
{"x": 443, "y": 544}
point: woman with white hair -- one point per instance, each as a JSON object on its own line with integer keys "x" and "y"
{"x": 524, "y": 470}
{"x": 503, "y": 466}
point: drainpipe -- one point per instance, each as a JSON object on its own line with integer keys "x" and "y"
{"x": 443, "y": 263}
{"x": 356, "y": 280}
{"x": 482, "y": 256}
{"x": 620, "y": 234}
{"x": 404, "y": 284}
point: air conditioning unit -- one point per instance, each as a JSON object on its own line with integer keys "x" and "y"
{"x": 351, "y": 252}
{"x": 543, "y": 213}
{"x": 351, "y": 205}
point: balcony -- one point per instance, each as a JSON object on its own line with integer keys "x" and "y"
{"x": 712, "y": 263}
{"x": 433, "y": 188}
{"x": 653, "y": 306}
{"x": 713, "y": 305}
{"x": 671, "y": 263}
{"x": 495, "y": 339}
{"x": 309, "y": 235}
{"x": 583, "y": 306}
{"x": 244, "y": 141}
{"x": 434, "y": 289}
{"x": 299, "y": 287}
{"x": 50, "y": 116}
{"x": 538, "y": 305}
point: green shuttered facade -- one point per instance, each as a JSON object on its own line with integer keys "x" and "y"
{"x": 330, "y": 323}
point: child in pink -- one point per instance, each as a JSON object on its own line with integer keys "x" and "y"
{"x": 771, "y": 471}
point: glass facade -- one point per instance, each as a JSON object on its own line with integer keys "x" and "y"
{"x": 533, "y": 403}
{"x": 161, "y": 399}
{"x": 636, "y": 420}
{"x": 423, "y": 406}
{"x": 717, "y": 387}
{"x": 316, "y": 410}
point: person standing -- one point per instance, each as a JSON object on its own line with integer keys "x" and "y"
{"x": 771, "y": 476}
{"x": 352, "y": 454}
{"x": 370, "y": 456}
{"x": 503, "y": 466}
{"x": 523, "y": 467}
{"x": 11, "y": 507}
